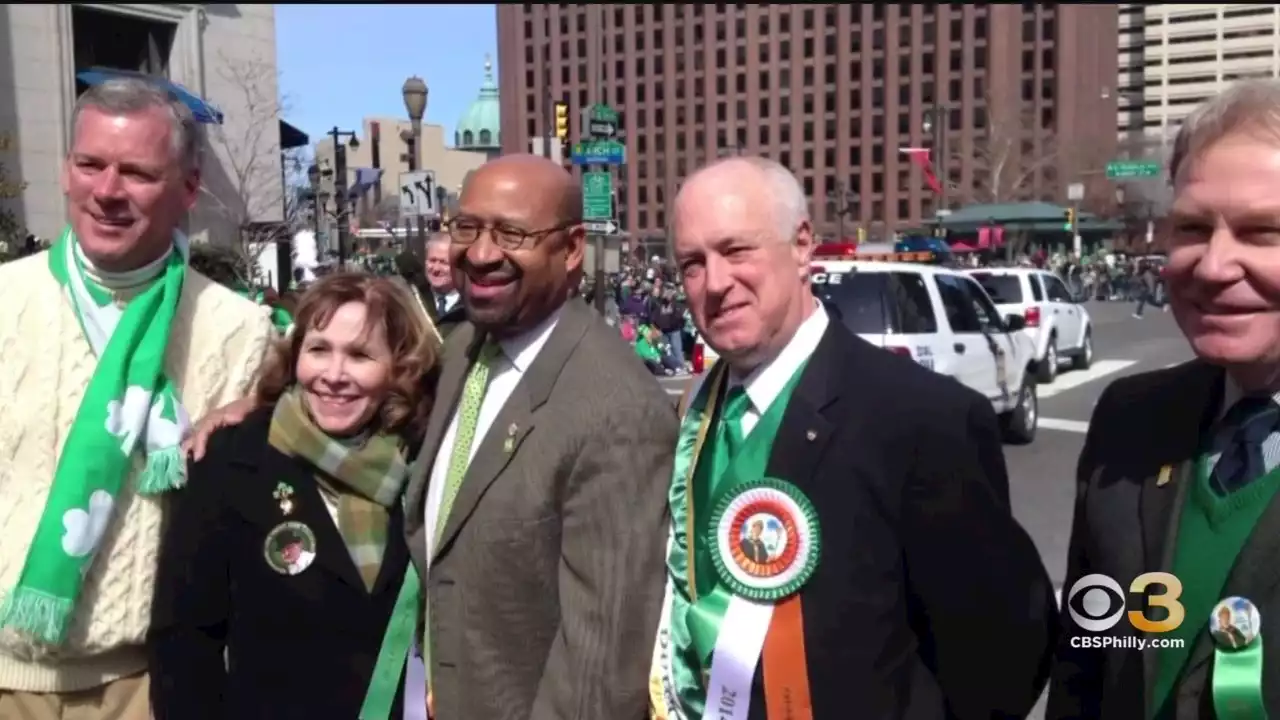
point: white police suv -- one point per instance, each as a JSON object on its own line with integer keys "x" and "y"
{"x": 938, "y": 316}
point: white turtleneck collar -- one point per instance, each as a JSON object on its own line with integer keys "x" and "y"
{"x": 122, "y": 281}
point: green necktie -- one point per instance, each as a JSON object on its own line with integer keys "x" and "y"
{"x": 468, "y": 417}
{"x": 459, "y": 458}
{"x": 729, "y": 435}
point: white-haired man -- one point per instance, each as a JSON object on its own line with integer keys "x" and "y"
{"x": 110, "y": 342}
{"x": 893, "y": 581}
{"x": 1181, "y": 466}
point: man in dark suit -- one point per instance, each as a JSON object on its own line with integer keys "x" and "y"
{"x": 537, "y": 509}
{"x": 432, "y": 284}
{"x": 903, "y": 587}
{"x": 1181, "y": 466}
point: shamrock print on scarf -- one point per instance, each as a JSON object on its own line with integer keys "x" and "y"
{"x": 126, "y": 418}
{"x": 84, "y": 529}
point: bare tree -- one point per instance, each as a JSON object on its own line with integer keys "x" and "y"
{"x": 1014, "y": 158}
{"x": 11, "y": 230}
{"x": 257, "y": 173}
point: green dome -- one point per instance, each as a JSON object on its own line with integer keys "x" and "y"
{"x": 480, "y": 126}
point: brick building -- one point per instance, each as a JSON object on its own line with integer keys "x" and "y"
{"x": 830, "y": 90}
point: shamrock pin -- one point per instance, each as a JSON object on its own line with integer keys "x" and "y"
{"x": 284, "y": 495}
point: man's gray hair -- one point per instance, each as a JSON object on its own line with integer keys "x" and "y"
{"x": 790, "y": 204}
{"x": 1250, "y": 106}
{"x": 129, "y": 95}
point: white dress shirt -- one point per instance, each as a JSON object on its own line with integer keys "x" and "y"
{"x": 764, "y": 384}
{"x": 505, "y": 372}
{"x": 450, "y": 300}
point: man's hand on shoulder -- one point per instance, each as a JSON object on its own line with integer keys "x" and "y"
{"x": 232, "y": 413}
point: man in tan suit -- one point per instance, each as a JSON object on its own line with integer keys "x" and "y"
{"x": 536, "y": 513}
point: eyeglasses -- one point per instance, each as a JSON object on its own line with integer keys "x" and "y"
{"x": 465, "y": 231}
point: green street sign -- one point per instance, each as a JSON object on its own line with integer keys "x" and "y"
{"x": 597, "y": 195}
{"x": 603, "y": 113}
{"x": 1123, "y": 169}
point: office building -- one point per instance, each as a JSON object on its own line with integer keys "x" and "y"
{"x": 833, "y": 91}
{"x": 1174, "y": 57}
{"x": 225, "y": 54}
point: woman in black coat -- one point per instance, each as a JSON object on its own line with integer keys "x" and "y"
{"x": 279, "y": 592}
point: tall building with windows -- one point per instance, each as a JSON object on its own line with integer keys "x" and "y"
{"x": 1174, "y": 57}
{"x": 833, "y": 91}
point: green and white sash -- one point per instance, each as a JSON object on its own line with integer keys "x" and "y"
{"x": 720, "y": 630}
{"x": 129, "y": 405}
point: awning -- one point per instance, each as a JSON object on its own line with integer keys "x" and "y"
{"x": 291, "y": 137}
{"x": 203, "y": 111}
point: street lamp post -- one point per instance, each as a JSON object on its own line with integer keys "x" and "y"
{"x": 415, "y": 102}
{"x": 340, "y": 198}
{"x": 843, "y": 202}
{"x": 936, "y": 119}
{"x": 313, "y": 181}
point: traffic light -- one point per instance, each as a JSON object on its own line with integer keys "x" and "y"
{"x": 1070, "y": 215}
{"x": 562, "y": 120}
{"x": 862, "y": 235}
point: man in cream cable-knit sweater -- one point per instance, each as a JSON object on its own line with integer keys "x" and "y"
{"x": 108, "y": 345}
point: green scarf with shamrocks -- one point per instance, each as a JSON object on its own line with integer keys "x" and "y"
{"x": 129, "y": 404}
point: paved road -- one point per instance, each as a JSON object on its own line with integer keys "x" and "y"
{"x": 1042, "y": 474}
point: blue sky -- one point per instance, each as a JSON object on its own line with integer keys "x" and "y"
{"x": 341, "y": 63}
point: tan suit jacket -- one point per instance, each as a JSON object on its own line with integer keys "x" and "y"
{"x": 545, "y": 588}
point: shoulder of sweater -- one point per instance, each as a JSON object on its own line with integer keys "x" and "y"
{"x": 208, "y": 300}
{"x": 17, "y": 277}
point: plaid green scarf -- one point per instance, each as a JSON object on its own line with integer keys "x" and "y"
{"x": 366, "y": 480}
{"x": 128, "y": 405}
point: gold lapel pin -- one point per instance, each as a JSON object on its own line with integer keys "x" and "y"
{"x": 811, "y": 435}
{"x": 509, "y": 445}
{"x": 1166, "y": 474}
{"x": 284, "y": 495}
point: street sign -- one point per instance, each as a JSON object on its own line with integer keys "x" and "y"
{"x": 601, "y": 227}
{"x": 599, "y": 152}
{"x": 418, "y": 194}
{"x": 597, "y": 195}
{"x": 602, "y": 121}
{"x": 1121, "y": 169}
{"x": 1075, "y": 192}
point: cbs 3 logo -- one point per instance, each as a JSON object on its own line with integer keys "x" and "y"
{"x": 1097, "y": 602}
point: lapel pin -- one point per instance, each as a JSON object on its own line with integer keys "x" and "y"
{"x": 1166, "y": 474}
{"x": 284, "y": 494}
{"x": 811, "y": 435}
{"x": 509, "y": 445}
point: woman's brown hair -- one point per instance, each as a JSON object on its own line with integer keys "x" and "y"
{"x": 414, "y": 347}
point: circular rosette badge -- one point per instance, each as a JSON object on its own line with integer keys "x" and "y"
{"x": 1234, "y": 623}
{"x": 766, "y": 540}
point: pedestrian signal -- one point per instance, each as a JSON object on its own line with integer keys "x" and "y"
{"x": 1097, "y": 602}
{"x": 562, "y": 120}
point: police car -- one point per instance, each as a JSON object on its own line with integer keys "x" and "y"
{"x": 938, "y": 316}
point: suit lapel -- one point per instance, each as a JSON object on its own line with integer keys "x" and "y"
{"x": 803, "y": 432}
{"x": 513, "y": 423}
{"x": 1188, "y": 412}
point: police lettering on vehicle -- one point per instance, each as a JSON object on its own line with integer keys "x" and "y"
{"x": 823, "y": 278}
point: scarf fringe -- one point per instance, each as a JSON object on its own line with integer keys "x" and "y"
{"x": 166, "y": 470}
{"x": 40, "y": 615}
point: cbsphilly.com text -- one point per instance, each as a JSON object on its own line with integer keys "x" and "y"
{"x": 1126, "y": 643}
